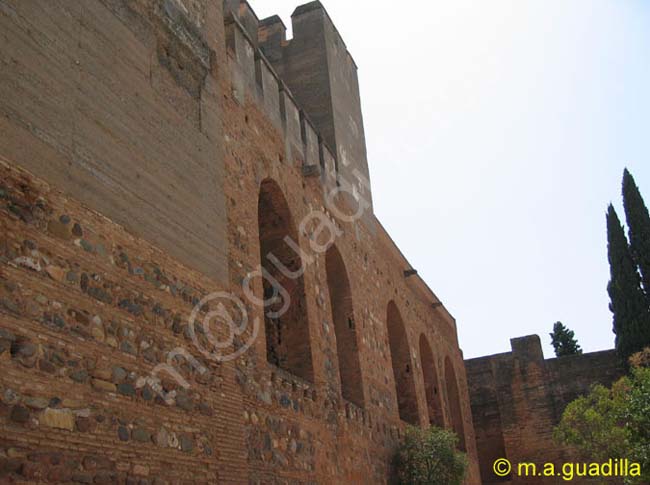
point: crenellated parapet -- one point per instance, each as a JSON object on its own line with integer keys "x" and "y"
{"x": 253, "y": 75}
{"x": 307, "y": 85}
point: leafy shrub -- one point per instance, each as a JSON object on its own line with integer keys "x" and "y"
{"x": 641, "y": 359}
{"x": 429, "y": 457}
{"x": 636, "y": 416}
{"x": 591, "y": 425}
{"x": 612, "y": 423}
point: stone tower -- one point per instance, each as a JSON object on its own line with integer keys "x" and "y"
{"x": 322, "y": 75}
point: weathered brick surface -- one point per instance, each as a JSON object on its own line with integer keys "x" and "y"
{"x": 92, "y": 302}
{"x": 517, "y": 398}
{"x": 117, "y": 103}
{"x": 88, "y": 309}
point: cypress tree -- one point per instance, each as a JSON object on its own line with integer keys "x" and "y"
{"x": 628, "y": 303}
{"x": 638, "y": 222}
{"x": 564, "y": 341}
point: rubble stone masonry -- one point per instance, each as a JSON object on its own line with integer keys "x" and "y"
{"x": 151, "y": 155}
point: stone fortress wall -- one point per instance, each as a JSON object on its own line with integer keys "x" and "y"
{"x": 154, "y": 153}
{"x": 518, "y": 397}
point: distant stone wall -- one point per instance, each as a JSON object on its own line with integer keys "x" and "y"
{"x": 518, "y": 397}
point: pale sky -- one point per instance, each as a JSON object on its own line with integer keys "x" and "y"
{"x": 497, "y": 134}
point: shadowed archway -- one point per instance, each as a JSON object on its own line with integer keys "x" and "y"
{"x": 431, "y": 388}
{"x": 344, "y": 327}
{"x": 287, "y": 334}
{"x": 402, "y": 367}
{"x": 453, "y": 400}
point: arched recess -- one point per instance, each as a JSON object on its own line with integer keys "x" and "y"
{"x": 453, "y": 400}
{"x": 431, "y": 388}
{"x": 402, "y": 367}
{"x": 287, "y": 334}
{"x": 344, "y": 327}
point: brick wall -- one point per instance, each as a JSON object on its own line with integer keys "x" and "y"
{"x": 518, "y": 397}
{"x": 118, "y": 104}
{"x": 104, "y": 378}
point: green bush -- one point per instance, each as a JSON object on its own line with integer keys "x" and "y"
{"x": 612, "y": 423}
{"x": 591, "y": 424}
{"x": 429, "y": 457}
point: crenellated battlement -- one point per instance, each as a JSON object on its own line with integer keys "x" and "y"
{"x": 272, "y": 32}
{"x": 307, "y": 85}
{"x": 253, "y": 74}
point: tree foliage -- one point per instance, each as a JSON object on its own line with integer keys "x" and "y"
{"x": 612, "y": 423}
{"x": 429, "y": 457}
{"x": 638, "y": 222}
{"x": 641, "y": 359}
{"x": 628, "y": 302}
{"x": 590, "y": 424}
{"x": 636, "y": 416}
{"x": 564, "y": 341}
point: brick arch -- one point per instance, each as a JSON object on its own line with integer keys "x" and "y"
{"x": 287, "y": 335}
{"x": 344, "y": 327}
{"x": 453, "y": 400}
{"x": 402, "y": 366}
{"x": 431, "y": 388}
